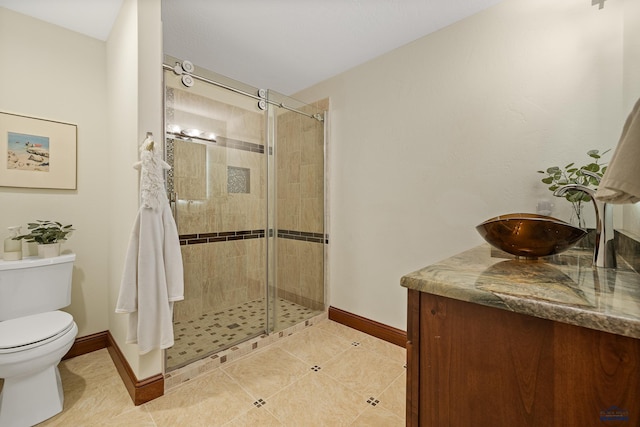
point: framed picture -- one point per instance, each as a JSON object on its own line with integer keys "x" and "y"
{"x": 37, "y": 153}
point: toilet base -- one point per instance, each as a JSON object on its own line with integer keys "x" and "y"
{"x": 30, "y": 399}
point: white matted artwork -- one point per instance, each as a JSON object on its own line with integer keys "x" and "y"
{"x": 37, "y": 153}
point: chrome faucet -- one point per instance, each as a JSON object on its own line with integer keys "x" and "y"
{"x": 604, "y": 253}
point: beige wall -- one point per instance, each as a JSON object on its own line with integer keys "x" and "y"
{"x": 426, "y": 141}
{"x": 56, "y": 74}
{"x": 432, "y": 138}
{"x": 113, "y": 92}
{"x": 122, "y": 84}
{"x": 134, "y": 84}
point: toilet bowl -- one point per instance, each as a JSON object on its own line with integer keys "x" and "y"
{"x": 34, "y": 336}
{"x": 32, "y": 390}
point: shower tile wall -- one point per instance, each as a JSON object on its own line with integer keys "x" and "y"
{"x": 220, "y": 232}
{"x": 300, "y": 208}
{"x": 230, "y": 270}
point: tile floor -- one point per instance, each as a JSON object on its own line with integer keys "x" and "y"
{"x": 325, "y": 375}
{"x": 211, "y": 332}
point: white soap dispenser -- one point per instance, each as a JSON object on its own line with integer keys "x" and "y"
{"x": 12, "y": 248}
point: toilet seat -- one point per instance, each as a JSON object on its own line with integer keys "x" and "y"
{"x": 32, "y": 331}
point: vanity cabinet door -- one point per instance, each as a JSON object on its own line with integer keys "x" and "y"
{"x": 472, "y": 365}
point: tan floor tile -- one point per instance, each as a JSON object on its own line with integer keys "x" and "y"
{"x": 363, "y": 371}
{"x": 93, "y": 391}
{"x": 138, "y": 417}
{"x": 342, "y": 331}
{"x": 210, "y": 400}
{"x": 87, "y": 406}
{"x": 258, "y": 417}
{"x": 267, "y": 371}
{"x": 316, "y": 400}
{"x": 315, "y": 346}
{"x": 393, "y": 352}
{"x": 378, "y": 417}
{"x": 394, "y": 397}
{"x": 92, "y": 367}
{"x": 281, "y": 374}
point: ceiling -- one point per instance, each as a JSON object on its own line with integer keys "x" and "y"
{"x": 285, "y": 45}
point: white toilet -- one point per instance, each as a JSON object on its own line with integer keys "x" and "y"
{"x": 34, "y": 336}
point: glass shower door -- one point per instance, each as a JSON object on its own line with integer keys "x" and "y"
{"x": 216, "y": 146}
{"x": 297, "y": 141}
{"x": 248, "y": 180}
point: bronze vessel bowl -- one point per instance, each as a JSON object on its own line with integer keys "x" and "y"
{"x": 530, "y": 235}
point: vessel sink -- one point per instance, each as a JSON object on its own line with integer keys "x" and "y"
{"x": 530, "y": 235}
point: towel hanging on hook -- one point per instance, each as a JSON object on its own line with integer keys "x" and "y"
{"x": 153, "y": 276}
{"x": 621, "y": 182}
{"x": 151, "y": 167}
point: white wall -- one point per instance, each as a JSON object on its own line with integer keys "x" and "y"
{"x": 431, "y": 139}
{"x": 53, "y": 73}
{"x": 113, "y": 92}
{"x": 134, "y": 61}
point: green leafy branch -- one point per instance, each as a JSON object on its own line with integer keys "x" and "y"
{"x": 45, "y": 232}
{"x": 556, "y": 177}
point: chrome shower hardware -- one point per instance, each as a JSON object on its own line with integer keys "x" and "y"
{"x": 186, "y": 70}
{"x": 187, "y": 80}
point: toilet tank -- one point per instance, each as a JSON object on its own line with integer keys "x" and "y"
{"x": 35, "y": 285}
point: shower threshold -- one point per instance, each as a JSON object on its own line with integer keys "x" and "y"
{"x": 211, "y": 333}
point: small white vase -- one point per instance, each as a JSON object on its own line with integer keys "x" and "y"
{"x": 49, "y": 250}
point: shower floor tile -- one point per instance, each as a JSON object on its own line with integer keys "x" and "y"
{"x": 212, "y": 332}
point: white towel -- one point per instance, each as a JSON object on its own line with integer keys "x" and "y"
{"x": 152, "y": 279}
{"x": 153, "y": 276}
{"x": 621, "y": 181}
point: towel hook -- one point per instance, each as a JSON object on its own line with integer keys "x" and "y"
{"x": 151, "y": 143}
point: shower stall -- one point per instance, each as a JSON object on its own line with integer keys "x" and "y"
{"x": 247, "y": 189}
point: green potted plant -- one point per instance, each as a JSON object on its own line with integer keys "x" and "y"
{"x": 571, "y": 174}
{"x": 48, "y": 235}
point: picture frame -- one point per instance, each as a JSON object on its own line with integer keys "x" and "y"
{"x": 37, "y": 153}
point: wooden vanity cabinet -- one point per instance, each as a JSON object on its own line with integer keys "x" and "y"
{"x": 471, "y": 365}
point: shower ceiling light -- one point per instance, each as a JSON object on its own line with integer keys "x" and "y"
{"x": 173, "y": 129}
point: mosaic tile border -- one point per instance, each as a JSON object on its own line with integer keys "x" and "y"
{"x": 225, "y": 236}
{"x": 304, "y": 236}
{"x": 202, "y": 366}
{"x": 221, "y": 141}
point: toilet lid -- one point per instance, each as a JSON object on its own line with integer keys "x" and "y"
{"x": 32, "y": 329}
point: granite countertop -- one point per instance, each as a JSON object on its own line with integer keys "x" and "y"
{"x": 564, "y": 288}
